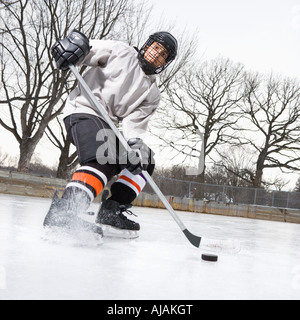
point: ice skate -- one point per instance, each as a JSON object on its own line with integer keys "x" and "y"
{"x": 62, "y": 216}
{"x": 114, "y": 223}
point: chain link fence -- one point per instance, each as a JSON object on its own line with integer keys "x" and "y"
{"x": 226, "y": 194}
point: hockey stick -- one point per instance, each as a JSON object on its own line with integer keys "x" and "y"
{"x": 199, "y": 242}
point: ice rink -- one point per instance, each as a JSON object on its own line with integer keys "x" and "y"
{"x": 160, "y": 265}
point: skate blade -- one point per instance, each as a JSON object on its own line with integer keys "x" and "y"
{"x": 111, "y": 232}
{"x": 77, "y": 238}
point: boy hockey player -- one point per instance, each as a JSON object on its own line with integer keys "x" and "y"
{"x": 123, "y": 81}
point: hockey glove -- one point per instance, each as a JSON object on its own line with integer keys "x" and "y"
{"x": 70, "y": 50}
{"x": 139, "y": 158}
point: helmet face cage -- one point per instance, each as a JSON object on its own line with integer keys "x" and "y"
{"x": 169, "y": 43}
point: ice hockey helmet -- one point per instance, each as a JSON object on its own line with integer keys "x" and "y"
{"x": 165, "y": 39}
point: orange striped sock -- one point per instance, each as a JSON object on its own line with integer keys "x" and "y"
{"x": 135, "y": 182}
{"x": 89, "y": 179}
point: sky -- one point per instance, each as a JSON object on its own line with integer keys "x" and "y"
{"x": 264, "y": 35}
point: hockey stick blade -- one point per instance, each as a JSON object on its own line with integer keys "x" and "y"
{"x": 194, "y": 240}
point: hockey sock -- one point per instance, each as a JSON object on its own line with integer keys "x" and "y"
{"x": 127, "y": 187}
{"x": 90, "y": 180}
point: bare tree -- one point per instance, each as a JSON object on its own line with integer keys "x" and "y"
{"x": 6, "y": 2}
{"x": 205, "y": 99}
{"x": 33, "y": 91}
{"x": 29, "y": 92}
{"x": 271, "y": 117}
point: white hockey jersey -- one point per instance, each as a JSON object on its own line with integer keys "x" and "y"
{"x": 120, "y": 85}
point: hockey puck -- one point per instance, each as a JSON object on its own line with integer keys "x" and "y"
{"x": 209, "y": 257}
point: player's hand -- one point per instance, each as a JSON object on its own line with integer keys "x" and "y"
{"x": 139, "y": 158}
{"x": 70, "y": 50}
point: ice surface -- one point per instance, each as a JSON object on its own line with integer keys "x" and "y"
{"x": 161, "y": 264}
